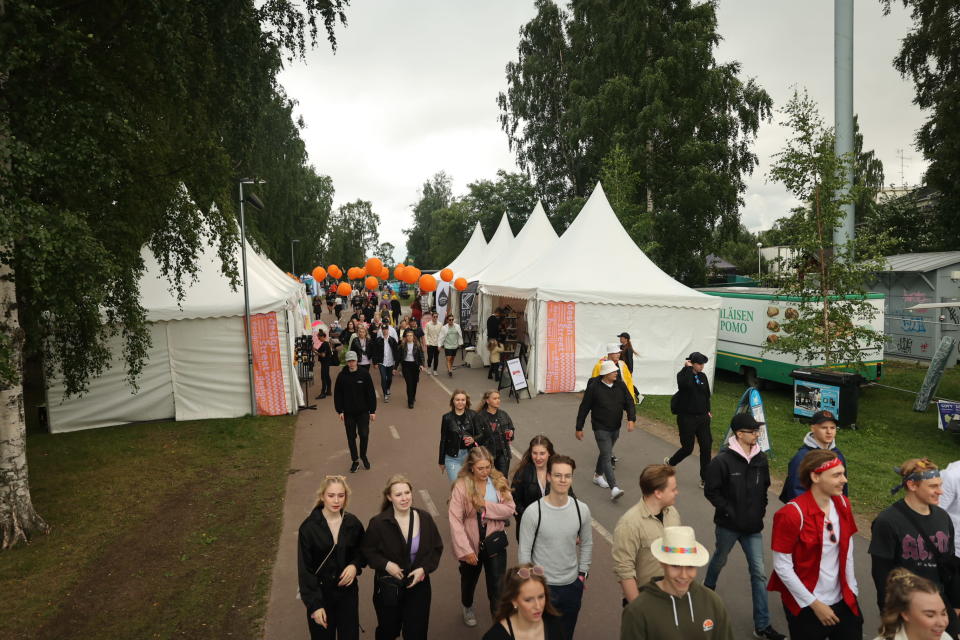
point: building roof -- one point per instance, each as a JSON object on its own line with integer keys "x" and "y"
{"x": 922, "y": 262}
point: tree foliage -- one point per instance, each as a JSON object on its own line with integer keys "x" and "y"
{"x": 639, "y": 75}
{"x": 833, "y": 314}
{"x": 929, "y": 56}
{"x": 351, "y": 235}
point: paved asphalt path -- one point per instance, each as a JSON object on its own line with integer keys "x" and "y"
{"x": 406, "y": 441}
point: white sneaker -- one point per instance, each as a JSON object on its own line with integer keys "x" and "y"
{"x": 666, "y": 460}
{"x": 615, "y": 493}
{"x": 469, "y": 617}
{"x": 386, "y": 398}
{"x": 600, "y": 481}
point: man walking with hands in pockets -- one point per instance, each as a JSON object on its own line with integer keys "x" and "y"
{"x": 606, "y": 398}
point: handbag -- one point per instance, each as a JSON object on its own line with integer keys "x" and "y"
{"x": 493, "y": 544}
{"x": 389, "y": 590}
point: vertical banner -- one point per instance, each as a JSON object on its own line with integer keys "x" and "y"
{"x": 561, "y": 347}
{"x": 443, "y": 299}
{"x": 267, "y": 368}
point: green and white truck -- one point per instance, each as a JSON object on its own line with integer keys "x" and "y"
{"x": 753, "y": 317}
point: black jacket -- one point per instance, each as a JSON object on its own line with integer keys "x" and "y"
{"x": 495, "y": 441}
{"x": 693, "y": 392}
{"x": 606, "y": 404}
{"x": 354, "y": 392}
{"x": 395, "y": 306}
{"x": 525, "y": 488}
{"x": 493, "y": 328}
{"x": 738, "y": 490}
{"x": 314, "y": 543}
{"x": 417, "y": 352}
{"x": 377, "y": 350}
{"x": 627, "y": 356}
{"x": 384, "y": 543}
{"x": 452, "y": 433}
{"x": 359, "y": 348}
{"x": 325, "y": 353}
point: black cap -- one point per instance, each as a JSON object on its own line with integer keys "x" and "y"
{"x": 823, "y": 416}
{"x": 624, "y": 335}
{"x": 697, "y": 358}
{"x": 745, "y": 422}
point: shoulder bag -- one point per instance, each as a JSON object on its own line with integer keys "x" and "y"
{"x": 493, "y": 544}
{"x": 389, "y": 590}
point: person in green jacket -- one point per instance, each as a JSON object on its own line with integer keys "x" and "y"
{"x": 676, "y": 606}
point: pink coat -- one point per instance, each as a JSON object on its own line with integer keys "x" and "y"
{"x": 463, "y": 520}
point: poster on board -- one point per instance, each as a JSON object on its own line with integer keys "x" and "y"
{"x": 810, "y": 397}
{"x": 516, "y": 374}
{"x": 948, "y": 416}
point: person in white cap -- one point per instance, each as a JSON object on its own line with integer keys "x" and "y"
{"x": 613, "y": 355}
{"x": 606, "y": 400}
{"x": 676, "y": 606}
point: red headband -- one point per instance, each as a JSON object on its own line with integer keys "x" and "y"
{"x": 830, "y": 464}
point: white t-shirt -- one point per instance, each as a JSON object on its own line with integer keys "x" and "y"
{"x": 387, "y": 353}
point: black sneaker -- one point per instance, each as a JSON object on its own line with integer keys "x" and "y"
{"x": 366, "y": 463}
{"x": 354, "y": 466}
{"x": 768, "y": 634}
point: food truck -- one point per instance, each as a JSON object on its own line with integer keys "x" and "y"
{"x": 752, "y": 318}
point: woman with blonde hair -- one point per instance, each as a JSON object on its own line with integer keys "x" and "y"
{"x": 328, "y": 563}
{"x": 480, "y": 508}
{"x": 524, "y": 610}
{"x": 403, "y": 546}
{"x": 913, "y": 609}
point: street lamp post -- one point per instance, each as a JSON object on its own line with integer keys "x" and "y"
{"x": 253, "y": 200}
{"x": 293, "y": 263}
{"x": 759, "y": 245}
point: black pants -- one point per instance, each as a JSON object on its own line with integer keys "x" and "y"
{"x": 501, "y": 460}
{"x": 324, "y": 379}
{"x": 343, "y": 616}
{"x": 694, "y": 426}
{"x": 411, "y": 617}
{"x": 494, "y": 373}
{"x": 411, "y": 375}
{"x": 494, "y": 567}
{"x": 807, "y": 626}
{"x": 433, "y": 357}
{"x": 357, "y": 424}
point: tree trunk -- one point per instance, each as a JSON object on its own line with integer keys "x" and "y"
{"x": 19, "y": 521}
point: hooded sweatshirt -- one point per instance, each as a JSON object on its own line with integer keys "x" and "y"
{"x": 736, "y": 485}
{"x": 657, "y": 615}
{"x": 791, "y": 486}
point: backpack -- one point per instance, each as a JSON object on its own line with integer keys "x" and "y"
{"x": 536, "y": 531}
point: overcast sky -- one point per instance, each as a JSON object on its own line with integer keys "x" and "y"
{"x": 412, "y": 91}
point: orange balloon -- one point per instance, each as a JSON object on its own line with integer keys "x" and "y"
{"x": 371, "y": 283}
{"x": 353, "y": 273}
{"x": 384, "y": 273}
{"x": 344, "y": 289}
{"x": 398, "y": 272}
{"x": 334, "y": 271}
{"x": 428, "y": 283}
{"x": 373, "y": 265}
{"x": 460, "y": 284}
{"x": 319, "y": 273}
{"x": 446, "y": 275}
{"x": 411, "y": 275}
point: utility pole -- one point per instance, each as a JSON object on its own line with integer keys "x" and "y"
{"x": 843, "y": 109}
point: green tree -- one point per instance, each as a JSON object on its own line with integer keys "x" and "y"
{"x": 487, "y": 200}
{"x": 833, "y": 314}
{"x": 867, "y": 175}
{"x": 640, "y": 74}
{"x": 928, "y": 56}
{"x": 385, "y": 251}
{"x": 436, "y": 194}
{"x": 120, "y": 124}
{"x": 352, "y": 235}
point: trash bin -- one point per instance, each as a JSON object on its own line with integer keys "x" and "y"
{"x": 826, "y": 390}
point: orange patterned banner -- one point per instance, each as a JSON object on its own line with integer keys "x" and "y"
{"x": 561, "y": 347}
{"x": 267, "y": 368}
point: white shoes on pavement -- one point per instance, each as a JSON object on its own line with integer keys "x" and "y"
{"x": 600, "y": 481}
{"x": 616, "y": 492}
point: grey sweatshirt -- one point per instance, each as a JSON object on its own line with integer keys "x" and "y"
{"x": 556, "y": 549}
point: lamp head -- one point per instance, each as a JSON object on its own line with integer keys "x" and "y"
{"x": 253, "y": 201}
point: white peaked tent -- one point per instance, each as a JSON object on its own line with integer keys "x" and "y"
{"x": 472, "y": 254}
{"x": 498, "y": 249}
{"x": 615, "y": 287}
{"x": 197, "y": 365}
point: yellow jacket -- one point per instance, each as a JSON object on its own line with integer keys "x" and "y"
{"x": 625, "y": 375}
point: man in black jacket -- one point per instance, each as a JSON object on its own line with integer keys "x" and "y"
{"x": 692, "y": 406}
{"x": 606, "y": 398}
{"x": 736, "y": 485}
{"x": 385, "y": 353}
{"x": 355, "y": 401}
{"x": 493, "y": 325}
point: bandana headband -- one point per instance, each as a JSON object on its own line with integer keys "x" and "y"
{"x": 916, "y": 476}
{"x": 829, "y": 464}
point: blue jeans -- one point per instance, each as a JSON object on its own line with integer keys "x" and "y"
{"x": 386, "y": 379}
{"x": 605, "y": 441}
{"x": 453, "y": 465}
{"x": 752, "y": 544}
{"x": 566, "y": 600}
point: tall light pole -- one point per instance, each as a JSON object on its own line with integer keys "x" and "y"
{"x": 759, "y": 245}
{"x": 293, "y": 263}
{"x": 253, "y": 200}
{"x": 843, "y": 111}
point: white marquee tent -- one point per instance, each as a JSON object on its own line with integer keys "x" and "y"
{"x": 615, "y": 287}
{"x": 197, "y": 364}
{"x": 472, "y": 254}
{"x": 497, "y": 250}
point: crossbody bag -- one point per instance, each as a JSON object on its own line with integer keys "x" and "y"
{"x": 493, "y": 544}
{"x": 390, "y": 589}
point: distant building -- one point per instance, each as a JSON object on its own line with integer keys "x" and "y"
{"x": 777, "y": 258}
{"x": 917, "y": 278}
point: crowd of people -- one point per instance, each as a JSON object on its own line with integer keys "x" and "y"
{"x": 913, "y": 547}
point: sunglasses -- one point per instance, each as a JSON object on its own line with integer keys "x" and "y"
{"x": 524, "y": 573}
{"x": 833, "y": 536}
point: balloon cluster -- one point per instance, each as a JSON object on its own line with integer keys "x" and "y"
{"x": 373, "y": 271}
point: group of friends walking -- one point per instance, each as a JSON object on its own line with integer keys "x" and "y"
{"x": 656, "y": 558}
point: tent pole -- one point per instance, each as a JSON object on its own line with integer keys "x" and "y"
{"x": 246, "y": 306}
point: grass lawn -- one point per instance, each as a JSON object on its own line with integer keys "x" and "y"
{"x": 159, "y": 530}
{"x": 888, "y": 430}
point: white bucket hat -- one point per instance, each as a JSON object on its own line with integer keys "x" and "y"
{"x": 613, "y": 347}
{"x": 679, "y": 547}
{"x": 608, "y": 366}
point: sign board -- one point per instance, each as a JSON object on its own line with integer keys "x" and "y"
{"x": 443, "y": 299}
{"x": 948, "y": 416}
{"x": 810, "y": 397}
{"x": 751, "y": 402}
{"x": 517, "y": 378}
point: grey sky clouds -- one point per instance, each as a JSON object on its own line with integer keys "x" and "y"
{"x": 412, "y": 91}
